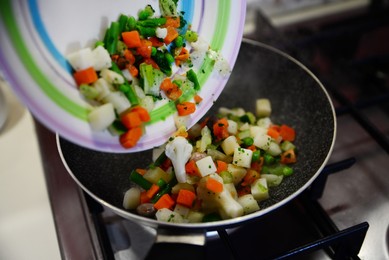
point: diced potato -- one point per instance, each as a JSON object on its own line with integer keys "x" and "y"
{"x": 259, "y": 189}
{"x": 263, "y": 107}
{"x": 262, "y": 141}
{"x": 244, "y": 134}
{"x": 119, "y": 101}
{"x": 274, "y": 149}
{"x": 195, "y": 216}
{"x": 232, "y": 127}
{"x": 206, "y": 166}
{"x": 167, "y": 215}
{"x": 182, "y": 186}
{"x": 255, "y": 130}
{"x": 231, "y": 188}
{"x": 153, "y": 175}
{"x": 237, "y": 172}
{"x": 101, "y": 58}
{"x": 248, "y": 203}
{"x": 244, "y": 127}
{"x": 242, "y": 157}
{"x": 217, "y": 155}
{"x": 101, "y": 117}
{"x": 264, "y": 122}
{"x": 112, "y": 76}
{"x": 182, "y": 210}
{"x": 229, "y": 144}
{"x": 81, "y": 59}
{"x": 131, "y": 198}
{"x": 103, "y": 87}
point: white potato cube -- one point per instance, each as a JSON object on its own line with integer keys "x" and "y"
{"x": 274, "y": 149}
{"x": 81, "y": 59}
{"x": 259, "y": 189}
{"x": 206, "y": 166}
{"x": 237, "y": 172}
{"x": 248, "y": 203}
{"x": 119, "y": 101}
{"x": 131, "y": 198}
{"x": 168, "y": 215}
{"x": 232, "y": 127}
{"x": 182, "y": 210}
{"x": 256, "y": 130}
{"x": 263, "y": 107}
{"x": 112, "y": 76}
{"x": 264, "y": 122}
{"x": 229, "y": 144}
{"x": 231, "y": 188}
{"x": 262, "y": 141}
{"x": 103, "y": 87}
{"x": 101, "y": 117}
{"x": 101, "y": 58}
{"x": 242, "y": 157}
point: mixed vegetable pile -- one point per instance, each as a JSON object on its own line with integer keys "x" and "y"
{"x": 139, "y": 63}
{"x": 221, "y": 168}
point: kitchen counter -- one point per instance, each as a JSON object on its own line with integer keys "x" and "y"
{"x": 26, "y": 223}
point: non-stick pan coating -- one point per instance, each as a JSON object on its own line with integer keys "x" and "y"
{"x": 298, "y": 99}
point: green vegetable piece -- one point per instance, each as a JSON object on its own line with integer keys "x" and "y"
{"x": 163, "y": 63}
{"x": 88, "y": 92}
{"x": 117, "y": 128}
{"x": 139, "y": 180}
{"x": 211, "y": 217}
{"x": 153, "y": 22}
{"x": 168, "y": 187}
{"x": 179, "y": 41}
{"x": 248, "y": 117}
{"x": 146, "y": 13}
{"x": 99, "y": 43}
{"x": 191, "y": 36}
{"x": 153, "y": 51}
{"x": 151, "y": 78}
{"x": 121, "y": 47}
{"x": 268, "y": 159}
{"x": 287, "y": 145}
{"x": 168, "y": 7}
{"x": 169, "y": 57}
{"x": 130, "y": 93}
{"x": 111, "y": 38}
{"x": 159, "y": 161}
{"x": 247, "y": 141}
{"x": 131, "y": 24}
{"x": 122, "y": 22}
{"x": 161, "y": 183}
{"x": 191, "y": 75}
{"x": 227, "y": 177}
{"x": 256, "y": 156}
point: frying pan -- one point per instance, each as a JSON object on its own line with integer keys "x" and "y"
{"x": 298, "y": 99}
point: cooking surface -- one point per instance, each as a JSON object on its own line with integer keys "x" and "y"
{"x": 349, "y": 54}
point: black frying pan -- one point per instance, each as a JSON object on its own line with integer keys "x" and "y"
{"x": 298, "y": 99}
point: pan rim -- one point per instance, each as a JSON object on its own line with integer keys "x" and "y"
{"x": 228, "y": 222}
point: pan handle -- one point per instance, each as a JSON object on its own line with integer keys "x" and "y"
{"x": 178, "y": 245}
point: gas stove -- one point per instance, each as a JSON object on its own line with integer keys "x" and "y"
{"x": 343, "y": 215}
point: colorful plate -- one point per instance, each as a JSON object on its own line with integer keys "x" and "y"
{"x": 36, "y": 35}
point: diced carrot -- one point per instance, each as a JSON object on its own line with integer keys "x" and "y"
{"x": 287, "y": 133}
{"x": 141, "y": 171}
{"x": 214, "y": 185}
{"x": 172, "y": 21}
{"x": 156, "y": 42}
{"x": 257, "y": 165}
{"x": 164, "y": 202}
{"x": 86, "y": 76}
{"x": 131, "y": 39}
{"x": 197, "y": 99}
{"x": 133, "y": 70}
{"x": 252, "y": 148}
{"x": 273, "y": 133}
{"x": 250, "y": 177}
{"x": 144, "y": 49}
{"x": 143, "y": 197}
{"x": 191, "y": 168}
{"x": 183, "y": 56}
{"x": 129, "y": 56}
{"x": 131, "y": 137}
{"x": 220, "y": 129}
{"x": 221, "y": 166}
{"x": 171, "y": 90}
{"x": 142, "y": 112}
{"x": 186, "y": 198}
{"x": 288, "y": 157}
{"x": 186, "y": 108}
{"x": 131, "y": 119}
{"x": 172, "y": 34}
{"x": 152, "y": 191}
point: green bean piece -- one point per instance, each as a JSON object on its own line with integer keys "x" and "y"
{"x": 211, "y": 217}
{"x": 159, "y": 161}
{"x": 112, "y": 37}
{"x": 139, "y": 180}
{"x": 191, "y": 75}
{"x": 122, "y": 22}
{"x": 131, "y": 24}
{"x": 168, "y": 187}
{"x": 146, "y": 31}
{"x": 130, "y": 94}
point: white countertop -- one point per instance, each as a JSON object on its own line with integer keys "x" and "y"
{"x": 26, "y": 223}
